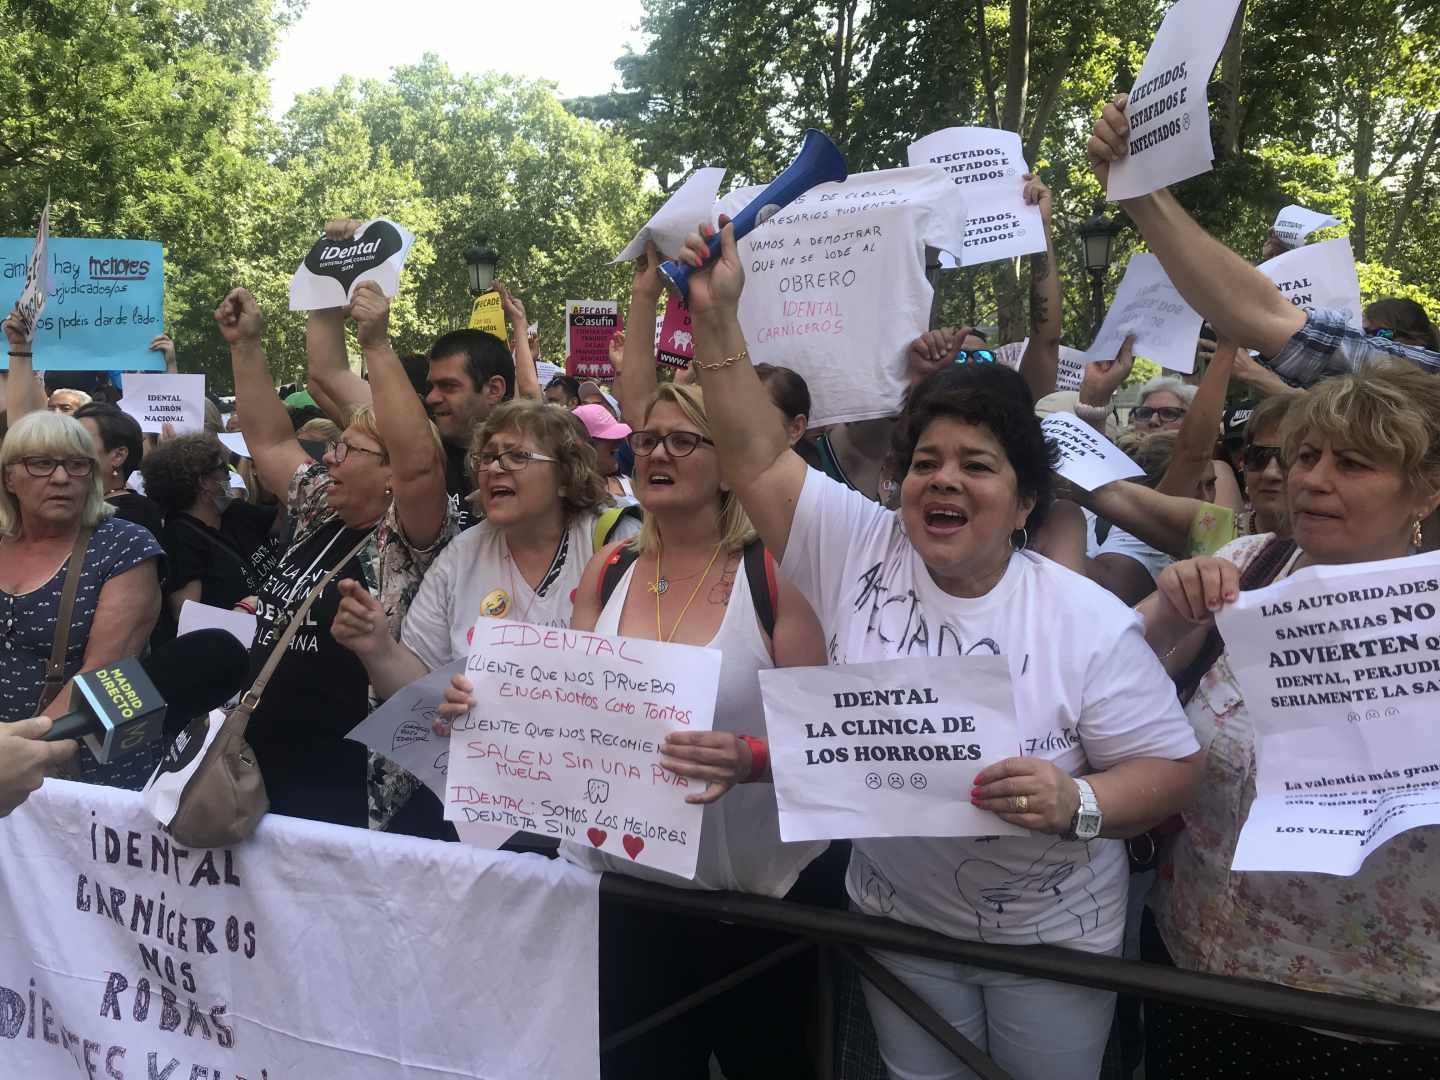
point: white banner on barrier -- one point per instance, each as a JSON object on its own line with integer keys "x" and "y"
{"x": 311, "y": 950}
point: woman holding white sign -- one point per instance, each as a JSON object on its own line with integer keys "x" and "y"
{"x": 1363, "y": 456}
{"x": 1108, "y": 752}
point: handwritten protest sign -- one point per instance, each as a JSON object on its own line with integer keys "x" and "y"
{"x": 692, "y": 203}
{"x": 1147, "y": 305}
{"x": 488, "y": 314}
{"x": 1087, "y": 458}
{"x": 1340, "y": 669}
{"x": 567, "y": 740}
{"x": 988, "y": 167}
{"x": 1168, "y": 112}
{"x": 178, "y": 400}
{"x": 674, "y": 335}
{"x": 1319, "y": 276}
{"x": 589, "y": 326}
{"x": 31, "y": 304}
{"x": 1068, "y": 372}
{"x": 1294, "y": 224}
{"x": 835, "y": 284}
{"x": 104, "y": 302}
{"x": 888, "y": 749}
{"x": 327, "y": 276}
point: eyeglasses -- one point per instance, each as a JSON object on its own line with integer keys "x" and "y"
{"x": 46, "y": 466}
{"x": 975, "y": 356}
{"x": 511, "y": 460}
{"x": 1168, "y": 413}
{"x": 339, "y": 449}
{"x": 677, "y": 443}
{"x": 1257, "y": 458}
{"x": 1383, "y": 331}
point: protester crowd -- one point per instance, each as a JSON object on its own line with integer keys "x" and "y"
{"x": 708, "y": 511}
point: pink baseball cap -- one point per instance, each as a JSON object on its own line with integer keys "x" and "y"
{"x": 600, "y": 424}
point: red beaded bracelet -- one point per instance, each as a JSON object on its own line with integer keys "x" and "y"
{"x": 759, "y": 757}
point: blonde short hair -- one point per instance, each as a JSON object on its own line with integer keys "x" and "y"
{"x": 561, "y": 435}
{"x": 735, "y": 528}
{"x": 1389, "y": 411}
{"x": 42, "y": 434}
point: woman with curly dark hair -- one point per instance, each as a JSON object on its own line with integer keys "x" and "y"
{"x": 220, "y": 547}
{"x": 545, "y": 510}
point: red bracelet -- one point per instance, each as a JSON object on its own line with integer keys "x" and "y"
{"x": 241, "y": 605}
{"x": 759, "y": 757}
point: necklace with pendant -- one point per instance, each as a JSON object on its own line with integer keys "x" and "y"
{"x": 661, "y": 585}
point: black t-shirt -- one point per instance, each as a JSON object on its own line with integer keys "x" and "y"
{"x": 137, "y": 508}
{"x": 318, "y": 692}
{"x": 459, "y": 487}
{"x": 230, "y": 564}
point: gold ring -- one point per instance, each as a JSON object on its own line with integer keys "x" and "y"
{"x": 1022, "y": 803}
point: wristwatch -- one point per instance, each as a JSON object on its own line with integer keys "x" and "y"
{"x": 1085, "y": 825}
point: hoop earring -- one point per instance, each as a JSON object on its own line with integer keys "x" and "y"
{"x": 1417, "y": 536}
{"x": 1024, "y": 540}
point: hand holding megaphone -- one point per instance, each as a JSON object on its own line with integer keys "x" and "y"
{"x": 714, "y": 272}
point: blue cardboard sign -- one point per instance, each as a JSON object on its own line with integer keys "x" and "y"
{"x": 106, "y": 303}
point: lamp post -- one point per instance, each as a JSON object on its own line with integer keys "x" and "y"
{"x": 480, "y": 261}
{"x": 1097, "y": 237}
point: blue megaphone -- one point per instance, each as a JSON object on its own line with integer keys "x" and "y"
{"x": 817, "y": 163}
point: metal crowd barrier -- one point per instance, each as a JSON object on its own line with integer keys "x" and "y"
{"x": 847, "y": 935}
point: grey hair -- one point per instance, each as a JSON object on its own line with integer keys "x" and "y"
{"x": 1169, "y": 384}
{"x": 45, "y": 433}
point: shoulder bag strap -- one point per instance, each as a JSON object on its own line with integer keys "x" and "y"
{"x": 614, "y": 569}
{"x": 760, "y": 575}
{"x": 251, "y": 697}
{"x": 55, "y": 667}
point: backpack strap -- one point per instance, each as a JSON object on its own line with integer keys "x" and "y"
{"x": 609, "y": 521}
{"x": 1263, "y": 569}
{"x": 764, "y": 587}
{"x": 615, "y": 567}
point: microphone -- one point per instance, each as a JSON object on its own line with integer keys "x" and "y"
{"x": 818, "y": 162}
{"x": 125, "y": 705}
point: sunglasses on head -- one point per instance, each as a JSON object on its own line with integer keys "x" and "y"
{"x": 1383, "y": 332}
{"x": 1258, "y": 458}
{"x": 1167, "y": 413}
{"x": 974, "y": 356}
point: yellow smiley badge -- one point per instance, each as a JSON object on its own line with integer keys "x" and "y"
{"x": 495, "y": 604}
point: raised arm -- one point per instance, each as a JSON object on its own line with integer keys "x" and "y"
{"x": 637, "y": 381}
{"x": 24, "y": 393}
{"x": 1234, "y": 297}
{"x": 1099, "y": 383}
{"x": 336, "y": 389}
{"x": 1195, "y": 443}
{"x": 417, "y": 471}
{"x": 268, "y": 432}
{"x": 1162, "y": 521}
{"x": 527, "y": 379}
{"x": 1041, "y": 361}
{"x": 755, "y": 455}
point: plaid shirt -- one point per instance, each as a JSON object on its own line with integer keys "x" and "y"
{"x": 1328, "y": 345}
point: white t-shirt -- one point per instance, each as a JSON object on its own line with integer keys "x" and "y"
{"x": 1089, "y": 693}
{"x": 1119, "y": 542}
{"x": 835, "y": 284}
{"x": 475, "y": 570}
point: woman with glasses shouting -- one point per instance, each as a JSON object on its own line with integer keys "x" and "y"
{"x": 55, "y": 523}
{"x": 375, "y": 508}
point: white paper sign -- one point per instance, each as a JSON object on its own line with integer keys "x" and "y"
{"x": 153, "y": 400}
{"x": 1147, "y": 305}
{"x": 987, "y": 166}
{"x": 567, "y": 740}
{"x": 1169, "y": 113}
{"x": 1340, "y": 668}
{"x": 1319, "y": 276}
{"x": 1087, "y": 458}
{"x": 31, "y": 304}
{"x": 197, "y": 616}
{"x": 835, "y": 284}
{"x": 234, "y": 441}
{"x": 327, "y": 276}
{"x": 1068, "y": 372}
{"x": 889, "y": 748}
{"x": 309, "y": 952}
{"x": 1294, "y": 224}
{"x": 691, "y": 204}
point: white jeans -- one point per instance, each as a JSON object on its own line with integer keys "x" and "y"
{"x": 1033, "y": 1028}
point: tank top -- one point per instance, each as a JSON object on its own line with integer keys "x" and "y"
{"x": 740, "y": 845}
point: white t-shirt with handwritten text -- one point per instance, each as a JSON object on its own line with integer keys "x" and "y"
{"x": 1089, "y": 693}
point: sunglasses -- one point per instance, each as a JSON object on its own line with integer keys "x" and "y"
{"x": 1384, "y": 332}
{"x": 1168, "y": 413}
{"x": 1258, "y": 458}
{"x": 975, "y": 356}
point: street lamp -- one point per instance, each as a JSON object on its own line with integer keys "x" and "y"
{"x": 1097, "y": 238}
{"x": 480, "y": 260}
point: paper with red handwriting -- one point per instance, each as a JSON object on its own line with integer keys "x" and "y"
{"x": 564, "y": 739}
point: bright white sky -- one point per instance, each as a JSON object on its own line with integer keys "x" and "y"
{"x": 574, "y": 43}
